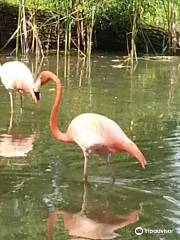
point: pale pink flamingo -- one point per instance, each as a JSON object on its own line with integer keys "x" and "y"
{"x": 92, "y": 132}
{"x": 16, "y": 76}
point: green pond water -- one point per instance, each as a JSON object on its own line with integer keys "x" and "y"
{"x": 42, "y": 195}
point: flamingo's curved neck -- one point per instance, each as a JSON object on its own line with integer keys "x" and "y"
{"x": 53, "y": 122}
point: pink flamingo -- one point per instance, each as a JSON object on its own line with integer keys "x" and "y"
{"x": 16, "y": 76}
{"x": 92, "y": 132}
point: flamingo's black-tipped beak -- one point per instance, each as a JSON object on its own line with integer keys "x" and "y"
{"x": 38, "y": 95}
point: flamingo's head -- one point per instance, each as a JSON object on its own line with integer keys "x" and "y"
{"x": 42, "y": 79}
{"x": 130, "y": 147}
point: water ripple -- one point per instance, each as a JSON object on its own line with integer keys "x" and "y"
{"x": 172, "y": 200}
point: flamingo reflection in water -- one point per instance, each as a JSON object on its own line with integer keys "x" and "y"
{"x": 16, "y": 145}
{"x": 81, "y": 225}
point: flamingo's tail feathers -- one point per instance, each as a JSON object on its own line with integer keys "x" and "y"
{"x": 133, "y": 150}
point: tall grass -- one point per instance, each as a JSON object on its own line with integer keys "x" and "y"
{"x": 78, "y": 18}
{"x": 27, "y": 32}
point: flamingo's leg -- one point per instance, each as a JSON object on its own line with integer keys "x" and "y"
{"x": 85, "y": 152}
{"x": 11, "y": 102}
{"x": 10, "y": 122}
{"x": 21, "y": 102}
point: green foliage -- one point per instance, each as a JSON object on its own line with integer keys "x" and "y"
{"x": 118, "y": 13}
{"x": 154, "y": 12}
{"x": 80, "y": 17}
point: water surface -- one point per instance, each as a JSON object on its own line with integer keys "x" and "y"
{"x": 41, "y": 180}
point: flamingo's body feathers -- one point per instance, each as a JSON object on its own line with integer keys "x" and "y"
{"x": 97, "y": 133}
{"x": 16, "y": 76}
{"x": 90, "y": 129}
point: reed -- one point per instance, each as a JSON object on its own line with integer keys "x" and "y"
{"x": 27, "y": 32}
{"x": 136, "y": 15}
{"x": 172, "y": 20}
{"x": 68, "y": 24}
{"x": 90, "y": 27}
{"x": 78, "y": 19}
{"x": 21, "y": 29}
